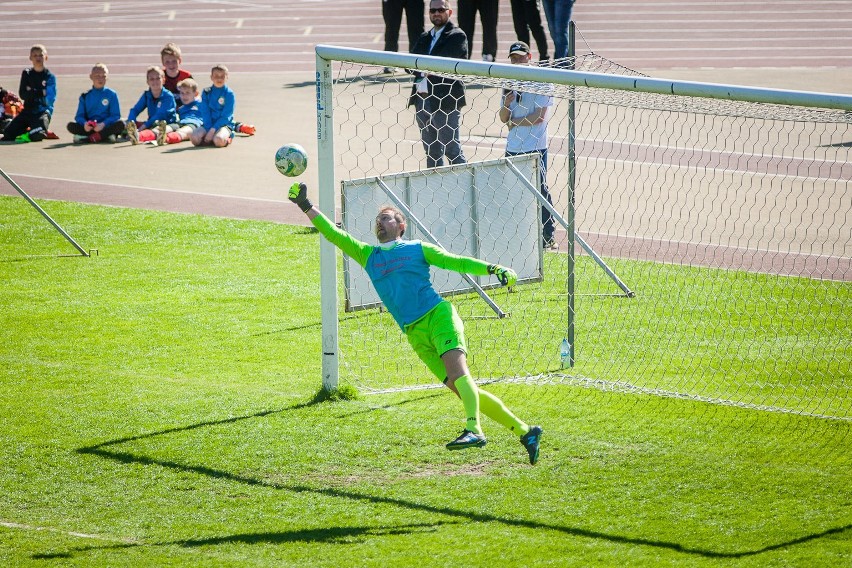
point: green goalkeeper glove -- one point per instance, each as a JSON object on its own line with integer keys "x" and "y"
{"x": 298, "y": 194}
{"x": 506, "y": 276}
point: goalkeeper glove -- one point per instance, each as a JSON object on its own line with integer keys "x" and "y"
{"x": 506, "y": 276}
{"x": 298, "y": 194}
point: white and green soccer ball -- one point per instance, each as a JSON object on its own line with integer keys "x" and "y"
{"x": 291, "y": 160}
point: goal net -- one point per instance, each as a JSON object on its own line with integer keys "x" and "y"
{"x": 704, "y": 238}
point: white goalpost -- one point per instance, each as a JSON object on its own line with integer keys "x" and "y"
{"x": 689, "y": 217}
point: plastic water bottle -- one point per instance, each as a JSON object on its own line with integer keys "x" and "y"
{"x": 565, "y": 353}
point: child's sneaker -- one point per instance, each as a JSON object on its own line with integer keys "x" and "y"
{"x": 467, "y": 439}
{"x": 132, "y": 132}
{"x": 161, "y": 132}
{"x": 247, "y": 129}
{"x": 80, "y": 138}
{"x": 51, "y": 135}
{"x": 23, "y": 138}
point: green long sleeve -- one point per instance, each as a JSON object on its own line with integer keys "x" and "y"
{"x": 448, "y": 261}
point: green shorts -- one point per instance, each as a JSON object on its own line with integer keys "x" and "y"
{"x": 439, "y": 331}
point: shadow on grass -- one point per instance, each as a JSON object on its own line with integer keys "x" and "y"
{"x": 318, "y": 399}
{"x": 317, "y": 325}
{"x": 398, "y": 403}
{"x": 341, "y": 533}
{"x": 329, "y": 535}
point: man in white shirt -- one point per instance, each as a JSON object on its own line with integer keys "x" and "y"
{"x": 526, "y": 115}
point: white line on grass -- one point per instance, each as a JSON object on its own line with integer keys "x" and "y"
{"x": 23, "y": 526}
{"x": 151, "y": 188}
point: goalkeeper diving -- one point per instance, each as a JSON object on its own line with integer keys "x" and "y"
{"x": 399, "y": 271}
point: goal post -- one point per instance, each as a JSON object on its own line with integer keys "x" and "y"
{"x": 328, "y": 255}
{"x": 713, "y": 223}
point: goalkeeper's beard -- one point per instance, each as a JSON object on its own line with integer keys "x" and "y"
{"x": 383, "y": 236}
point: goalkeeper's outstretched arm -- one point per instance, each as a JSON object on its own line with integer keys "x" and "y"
{"x": 360, "y": 251}
{"x": 443, "y": 259}
{"x": 352, "y": 247}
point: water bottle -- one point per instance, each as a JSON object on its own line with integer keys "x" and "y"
{"x": 565, "y": 353}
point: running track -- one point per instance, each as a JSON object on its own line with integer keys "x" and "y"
{"x": 279, "y": 36}
{"x": 275, "y": 37}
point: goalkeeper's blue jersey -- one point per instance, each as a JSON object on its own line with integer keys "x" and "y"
{"x": 400, "y": 271}
{"x": 401, "y": 277}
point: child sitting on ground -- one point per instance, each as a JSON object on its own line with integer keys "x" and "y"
{"x": 98, "y": 112}
{"x": 217, "y": 110}
{"x": 170, "y": 56}
{"x": 159, "y": 102}
{"x": 189, "y": 118}
{"x": 38, "y": 93}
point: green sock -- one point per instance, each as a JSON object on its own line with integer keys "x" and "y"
{"x": 469, "y": 394}
{"x": 493, "y": 408}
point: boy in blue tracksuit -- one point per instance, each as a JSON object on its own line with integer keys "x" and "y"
{"x": 38, "y": 93}
{"x": 98, "y": 112}
{"x": 217, "y": 108}
{"x": 156, "y": 100}
{"x": 189, "y": 117}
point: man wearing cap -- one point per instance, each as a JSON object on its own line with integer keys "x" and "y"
{"x": 437, "y": 101}
{"x": 525, "y": 114}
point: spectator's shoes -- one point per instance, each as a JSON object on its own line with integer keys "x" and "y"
{"x": 23, "y": 138}
{"x": 132, "y": 132}
{"x": 467, "y": 439}
{"x": 80, "y": 138}
{"x": 51, "y": 135}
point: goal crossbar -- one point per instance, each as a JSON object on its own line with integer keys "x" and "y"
{"x": 588, "y": 79}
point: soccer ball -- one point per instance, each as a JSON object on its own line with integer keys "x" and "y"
{"x": 291, "y": 160}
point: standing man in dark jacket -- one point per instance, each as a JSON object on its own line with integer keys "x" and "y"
{"x": 437, "y": 101}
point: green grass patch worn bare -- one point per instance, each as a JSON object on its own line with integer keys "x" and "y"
{"x": 159, "y": 407}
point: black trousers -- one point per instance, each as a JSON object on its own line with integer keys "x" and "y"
{"x": 488, "y": 10}
{"x": 392, "y": 13}
{"x": 527, "y": 19}
{"x": 36, "y": 123}
{"x": 113, "y": 129}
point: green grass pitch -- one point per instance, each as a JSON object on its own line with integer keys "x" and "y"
{"x": 158, "y": 408}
